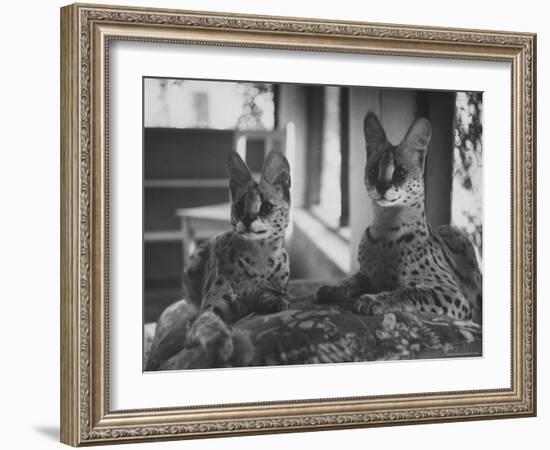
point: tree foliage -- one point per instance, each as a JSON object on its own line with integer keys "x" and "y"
{"x": 468, "y": 166}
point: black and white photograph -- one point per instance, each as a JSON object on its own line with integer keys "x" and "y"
{"x": 244, "y": 225}
{"x": 289, "y": 224}
{"x": 283, "y": 224}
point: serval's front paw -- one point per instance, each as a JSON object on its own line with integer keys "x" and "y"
{"x": 272, "y": 302}
{"x": 328, "y": 294}
{"x": 213, "y": 334}
{"x": 283, "y": 305}
{"x": 368, "y": 305}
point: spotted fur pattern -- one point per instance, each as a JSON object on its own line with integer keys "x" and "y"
{"x": 239, "y": 272}
{"x": 404, "y": 264}
{"x": 246, "y": 269}
{"x": 242, "y": 271}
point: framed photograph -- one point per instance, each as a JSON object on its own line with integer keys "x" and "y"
{"x": 275, "y": 225}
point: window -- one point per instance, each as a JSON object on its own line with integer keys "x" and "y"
{"x": 174, "y": 103}
{"x": 329, "y": 202}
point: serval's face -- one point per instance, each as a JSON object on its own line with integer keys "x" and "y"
{"x": 260, "y": 210}
{"x": 394, "y": 174}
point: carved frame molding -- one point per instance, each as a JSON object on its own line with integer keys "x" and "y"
{"x": 86, "y": 31}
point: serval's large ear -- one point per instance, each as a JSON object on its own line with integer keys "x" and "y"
{"x": 276, "y": 170}
{"x": 375, "y": 136}
{"x": 419, "y": 135}
{"x": 239, "y": 173}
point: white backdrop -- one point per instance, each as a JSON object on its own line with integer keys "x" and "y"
{"x": 131, "y": 389}
{"x": 29, "y": 229}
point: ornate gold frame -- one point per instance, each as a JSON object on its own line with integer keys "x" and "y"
{"x": 86, "y": 31}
